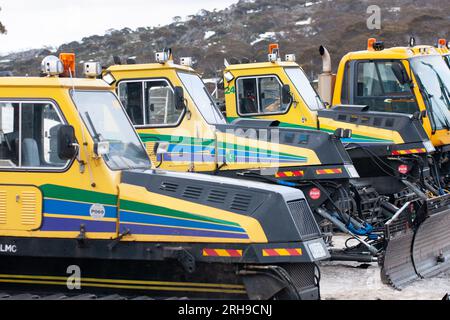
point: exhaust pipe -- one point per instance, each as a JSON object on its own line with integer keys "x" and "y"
{"x": 326, "y": 78}
{"x": 326, "y": 60}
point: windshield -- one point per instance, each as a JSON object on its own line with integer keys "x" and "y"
{"x": 201, "y": 97}
{"x": 106, "y": 121}
{"x": 304, "y": 88}
{"x": 433, "y": 77}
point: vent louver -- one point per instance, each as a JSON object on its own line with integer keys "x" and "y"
{"x": 170, "y": 187}
{"x": 241, "y": 202}
{"x": 217, "y": 196}
{"x": 192, "y": 192}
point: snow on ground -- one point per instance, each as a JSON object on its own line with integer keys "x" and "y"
{"x": 264, "y": 36}
{"x": 209, "y": 34}
{"x": 356, "y": 281}
{"x": 304, "y": 22}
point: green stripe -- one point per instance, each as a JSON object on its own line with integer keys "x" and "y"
{"x": 66, "y": 193}
{"x": 148, "y": 208}
{"x": 146, "y": 137}
{"x": 298, "y": 126}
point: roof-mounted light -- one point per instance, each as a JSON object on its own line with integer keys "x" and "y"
{"x": 164, "y": 56}
{"x": 109, "y": 78}
{"x": 370, "y": 43}
{"x": 274, "y": 52}
{"x": 52, "y": 66}
{"x": 187, "y": 61}
{"x": 442, "y": 43}
{"x": 374, "y": 45}
{"x": 68, "y": 61}
{"x": 92, "y": 69}
{"x": 228, "y": 76}
{"x": 291, "y": 58}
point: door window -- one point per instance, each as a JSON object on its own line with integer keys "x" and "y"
{"x": 149, "y": 102}
{"x": 28, "y": 135}
{"x": 260, "y": 95}
{"x": 379, "y": 87}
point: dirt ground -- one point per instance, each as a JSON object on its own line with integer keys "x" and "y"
{"x": 351, "y": 281}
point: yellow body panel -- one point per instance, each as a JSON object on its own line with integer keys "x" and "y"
{"x": 20, "y": 208}
{"x": 438, "y": 138}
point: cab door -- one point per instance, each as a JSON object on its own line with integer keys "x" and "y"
{"x": 20, "y": 204}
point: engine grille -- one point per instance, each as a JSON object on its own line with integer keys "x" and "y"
{"x": 304, "y": 219}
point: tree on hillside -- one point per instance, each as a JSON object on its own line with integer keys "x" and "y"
{"x": 2, "y": 27}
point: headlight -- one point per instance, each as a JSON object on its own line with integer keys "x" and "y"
{"x": 351, "y": 171}
{"x": 429, "y": 146}
{"x": 317, "y": 250}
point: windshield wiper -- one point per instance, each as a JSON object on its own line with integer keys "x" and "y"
{"x": 428, "y": 103}
{"x": 97, "y": 136}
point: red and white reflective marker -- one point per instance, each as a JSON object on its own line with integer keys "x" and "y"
{"x": 314, "y": 193}
{"x": 403, "y": 169}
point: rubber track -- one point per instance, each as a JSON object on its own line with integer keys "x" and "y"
{"x": 63, "y": 296}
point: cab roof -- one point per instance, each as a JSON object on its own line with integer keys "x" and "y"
{"x": 149, "y": 66}
{"x": 258, "y": 65}
{"x": 393, "y": 53}
{"x": 53, "y": 82}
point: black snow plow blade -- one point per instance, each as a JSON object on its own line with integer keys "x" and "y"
{"x": 417, "y": 246}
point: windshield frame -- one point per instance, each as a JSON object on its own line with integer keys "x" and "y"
{"x": 421, "y": 86}
{"x": 319, "y": 99}
{"x": 447, "y": 59}
{"x": 142, "y": 80}
{"x": 72, "y": 91}
{"x": 213, "y": 102}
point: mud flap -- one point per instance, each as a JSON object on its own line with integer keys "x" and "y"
{"x": 417, "y": 248}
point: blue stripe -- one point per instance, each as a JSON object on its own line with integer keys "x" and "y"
{"x": 237, "y": 159}
{"x": 68, "y": 224}
{"x": 126, "y": 216}
{"x": 154, "y": 230}
{"x": 52, "y": 206}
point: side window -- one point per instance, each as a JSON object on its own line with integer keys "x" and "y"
{"x": 159, "y": 104}
{"x": 9, "y": 134}
{"x": 31, "y": 143}
{"x": 130, "y": 94}
{"x": 260, "y": 95}
{"x": 368, "y": 80}
{"x": 247, "y": 96}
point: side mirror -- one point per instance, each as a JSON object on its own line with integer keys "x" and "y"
{"x": 67, "y": 146}
{"x": 179, "y": 98}
{"x": 341, "y": 133}
{"x": 286, "y": 94}
{"x": 419, "y": 115}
